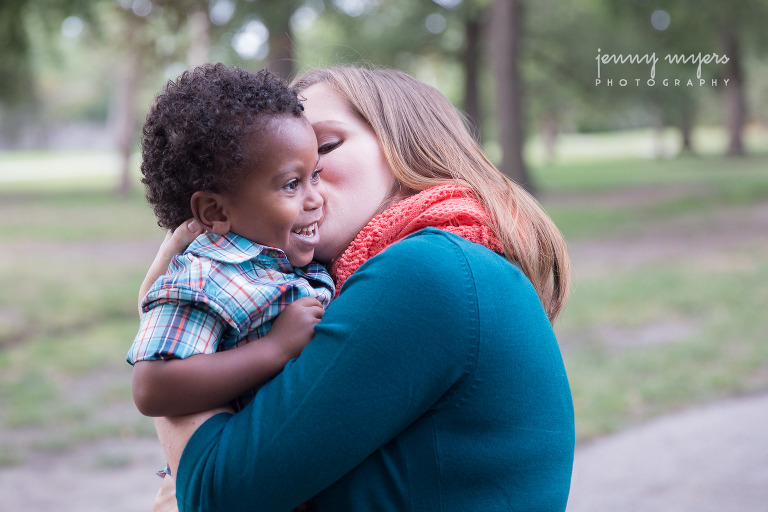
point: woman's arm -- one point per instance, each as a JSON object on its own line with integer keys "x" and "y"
{"x": 175, "y": 387}
{"x": 174, "y": 433}
{"x": 175, "y": 242}
{"x": 396, "y": 340}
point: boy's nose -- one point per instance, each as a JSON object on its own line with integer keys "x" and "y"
{"x": 313, "y": 200}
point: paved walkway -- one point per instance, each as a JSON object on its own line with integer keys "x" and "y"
{"x": 713, "y": 458}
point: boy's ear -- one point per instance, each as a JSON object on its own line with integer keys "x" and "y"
{"x": 209, "y": 210}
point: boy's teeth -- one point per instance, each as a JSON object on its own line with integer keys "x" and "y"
{"x": 307, "y": 231}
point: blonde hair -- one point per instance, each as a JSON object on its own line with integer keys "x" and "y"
{"x": 426, "y": 142}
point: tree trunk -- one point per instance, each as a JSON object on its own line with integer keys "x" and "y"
{"x": 686, "y": 128}
{"x": 733, "y": 94}
{"x": 16, "y": 75}
{"x": 549, "y": 136}
{"x": 470, "y": 61}
{"x": 125, "y": 114}
{"x": 200, "y": 40}
{"x": 281, "y": 48}
{"x": 659, "y": 145}
{"x": 505, "y": 37}
{"x": 17, "y": 91}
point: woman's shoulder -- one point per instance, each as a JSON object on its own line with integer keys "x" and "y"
{"x": 435, "y": 262}
{"x": 442, "y": 251}
{"x": 427, "y": 264}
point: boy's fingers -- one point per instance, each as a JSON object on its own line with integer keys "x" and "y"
{"x": 308, "y": 302}
{"x": 313, "y": 302}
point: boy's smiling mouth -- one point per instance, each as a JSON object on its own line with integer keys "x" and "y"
{"x": 307, "y": 231}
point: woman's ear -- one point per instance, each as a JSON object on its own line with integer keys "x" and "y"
{"x": 209, "y": 210}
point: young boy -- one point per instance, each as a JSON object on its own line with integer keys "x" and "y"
{"x": 233, "y": 150}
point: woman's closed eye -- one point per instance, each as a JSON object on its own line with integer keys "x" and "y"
{"x": 329, "y": 146}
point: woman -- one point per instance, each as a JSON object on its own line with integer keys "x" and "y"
{"x": 434, "y": 381}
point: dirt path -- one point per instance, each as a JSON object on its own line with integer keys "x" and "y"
{"x": 713, "y": 458}
{"x": 109, "y": 476}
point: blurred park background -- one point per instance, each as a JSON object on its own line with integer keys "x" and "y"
{"x": 661, "y": 191}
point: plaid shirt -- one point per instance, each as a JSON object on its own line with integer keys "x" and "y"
{"x": 223, "y": 291}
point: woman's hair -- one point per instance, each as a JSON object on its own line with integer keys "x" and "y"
{"x": 193, "y": 137}
{"x": 426, "y": 142}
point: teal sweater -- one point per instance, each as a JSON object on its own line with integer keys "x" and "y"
{"x": 434, "y": 383}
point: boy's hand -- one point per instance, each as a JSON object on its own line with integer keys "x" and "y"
{"x": 295, "y": 326}
{"x": 175, "y": 243}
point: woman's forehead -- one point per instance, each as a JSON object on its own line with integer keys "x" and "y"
{"x": 322, "y": 104}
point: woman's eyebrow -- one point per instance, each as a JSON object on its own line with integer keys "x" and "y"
{"x": 331, "y": 122}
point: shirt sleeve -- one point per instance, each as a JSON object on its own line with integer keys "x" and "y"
{"x": 400, "y": 336}
{"x": 176, "y": 330}
{"x": 180, "y": 317}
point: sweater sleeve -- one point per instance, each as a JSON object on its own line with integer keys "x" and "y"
{"x": 400, "y": 336}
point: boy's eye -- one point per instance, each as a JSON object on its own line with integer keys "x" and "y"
{"x": 316, "y": 175}
{"x": 292, "y": 185}
{"x": 328, "y": 147}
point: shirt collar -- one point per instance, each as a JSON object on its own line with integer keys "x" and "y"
{"x": 234, "y": 249}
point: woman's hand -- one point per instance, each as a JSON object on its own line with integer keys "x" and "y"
{"x": 165, "y": 499}
{"x": 175, "y": 243}
{"x": 174, "y": 433}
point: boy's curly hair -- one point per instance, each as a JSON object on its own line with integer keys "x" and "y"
{"x": 193, "y": 134}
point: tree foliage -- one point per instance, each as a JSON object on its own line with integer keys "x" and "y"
{"x": 443, "y": 42}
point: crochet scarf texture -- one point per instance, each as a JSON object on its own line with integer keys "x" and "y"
{"x": 448, "y": 207}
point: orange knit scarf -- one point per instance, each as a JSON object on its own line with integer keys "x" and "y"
{"x": 448, "y": 207}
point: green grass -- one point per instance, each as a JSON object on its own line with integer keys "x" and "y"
{"x": 725, "y": 354}
{"x": 74, "y": 261}
{"x": 44, "y": 294}
{"x": 70, "y": 274}
{"x": 65, "y": 388}
{"x": 599, "y": 175}
{"x": 70, "y": 216}
{"x": 37, "y": 374}
{"x": 8, "y": 456}
{"x": 623, "y": 145}
{"x": 701, "y": 185}
{"x": 722, "y": 303}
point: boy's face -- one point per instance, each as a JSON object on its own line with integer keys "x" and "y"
{"x": 278, "y": 202}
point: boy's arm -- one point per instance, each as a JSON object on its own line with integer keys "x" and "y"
{"x": 201, "y": 382}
